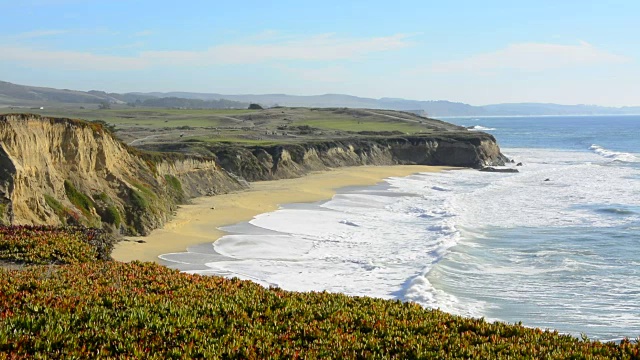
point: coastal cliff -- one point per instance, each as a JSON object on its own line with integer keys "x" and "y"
{"x": 256, "y": 163}
{"x": 59, "y": 171}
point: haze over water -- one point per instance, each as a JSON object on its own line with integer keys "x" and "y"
{"x": 558, "y": 254}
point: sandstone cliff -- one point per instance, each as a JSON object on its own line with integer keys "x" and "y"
{"x": 60, "y": 171}
{"x": 255, "y": 163}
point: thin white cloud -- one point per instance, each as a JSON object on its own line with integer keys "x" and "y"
{"x": 326, "y": 47}
{"x": 55, "y": 2}
{"x": 71, "y": 60}
{"x": 39, "y": 33}
{"x": 143, "y": 33}
{"x": 531, "y": 57}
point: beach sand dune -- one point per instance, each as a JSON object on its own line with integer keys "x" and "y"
{"x": 199, "y": 221}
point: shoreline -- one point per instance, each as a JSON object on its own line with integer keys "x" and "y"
{"x": 199, "y": 221}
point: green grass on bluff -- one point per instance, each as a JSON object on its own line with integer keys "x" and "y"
{"x": 148, "y": 126}
{"x": 144, "y": 117}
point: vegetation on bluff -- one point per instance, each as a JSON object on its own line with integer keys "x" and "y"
{"x": 49, "y": 245}
{"x": 104, "y": 309}
{"x": 175, "y": 188}
{"x": 80, "y": 200}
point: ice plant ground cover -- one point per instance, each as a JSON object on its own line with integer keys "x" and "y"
{"x": 50, "y": 245}
{"x": 111, "y": 309}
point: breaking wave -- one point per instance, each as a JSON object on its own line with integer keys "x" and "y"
{"x": 480, "y": 128}
{"x": 614, "y": 155}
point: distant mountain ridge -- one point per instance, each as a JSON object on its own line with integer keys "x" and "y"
{"x": 14, "y": 94}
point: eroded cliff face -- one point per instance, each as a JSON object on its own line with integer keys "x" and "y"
{"x": 474, "y": 150}
{"x": 59, "y": 171}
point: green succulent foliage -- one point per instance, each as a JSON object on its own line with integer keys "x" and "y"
{"x": 144, "y": 310}
{"x": 49, "y": 245}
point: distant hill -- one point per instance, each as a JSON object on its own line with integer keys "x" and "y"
{"x": 177, "y": 102}
{"x": 13, "y": 94}
{"x": 431, "y": 108}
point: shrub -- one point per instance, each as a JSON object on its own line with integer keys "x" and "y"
{"x": 60, "y": 210}
{"x": 138, "y": 200}
{"x": 80, "y": 200}
{"x": 3, "y": 210}
{"x": 173, "y": 182}
{"x": 103, "y": 125}
{"x": 111, "y": 215}
{"x": 175, "y": 188}
{"x": 101, "y": 196}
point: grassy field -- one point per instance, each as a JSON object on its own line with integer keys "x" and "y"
{"x": 125, "y": 117}
{"x": 147, "y": 126}
{"x": 362, "y": 125}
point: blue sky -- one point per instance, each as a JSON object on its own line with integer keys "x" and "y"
{"x": 478, "y": 52}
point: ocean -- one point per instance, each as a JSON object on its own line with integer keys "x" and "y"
{"x": 554, "y": 246}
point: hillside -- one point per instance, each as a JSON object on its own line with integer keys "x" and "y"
{"x": 31, "y": 96}
{"x": 34, "y": 96}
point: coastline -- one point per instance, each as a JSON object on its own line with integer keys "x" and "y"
{"x": 198, "y": 222}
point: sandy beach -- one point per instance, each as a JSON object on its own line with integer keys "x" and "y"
{"x": 199, "y": 221}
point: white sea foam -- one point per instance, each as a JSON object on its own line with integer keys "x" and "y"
{"x": 480, "y": 128}
{"x": 347, "y": 222}
{"x": 538, "y": 245}
{"x": 614, "y": 155}
{"x": 359, "y": 243}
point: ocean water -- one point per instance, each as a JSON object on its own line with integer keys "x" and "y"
{"x": 555, "y": 246}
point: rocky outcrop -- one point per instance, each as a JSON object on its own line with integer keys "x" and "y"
{"x": 502, "y": 170}
{"x": 60, "y": 171}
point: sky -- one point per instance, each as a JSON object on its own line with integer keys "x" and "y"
{"x": 476, "y": 52}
